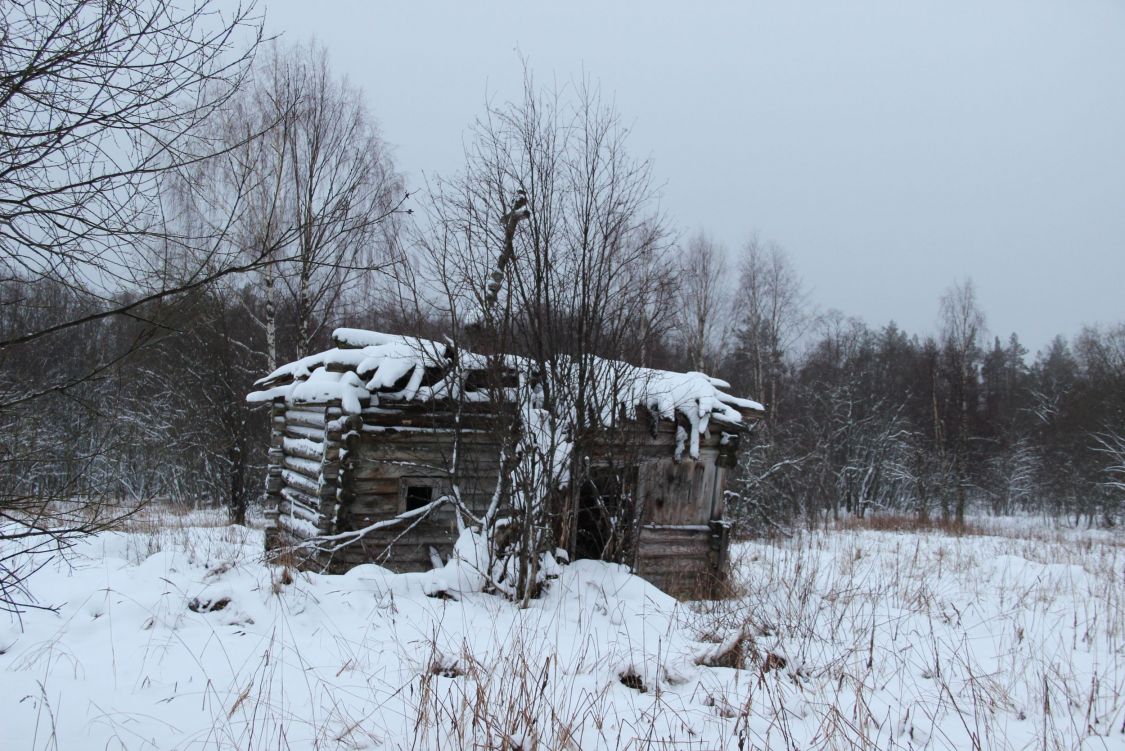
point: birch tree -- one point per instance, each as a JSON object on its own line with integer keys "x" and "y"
{"x": 322, "y": 191}
{"x": 703, "y": 311}
{"x": 772, "y": 316}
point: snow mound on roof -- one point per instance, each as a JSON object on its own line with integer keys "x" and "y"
{"x": 368, "y": 362}
{"x": 368, "y": 366}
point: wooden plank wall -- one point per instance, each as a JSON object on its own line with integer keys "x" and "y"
{"x": 681, "y": 540}
{"x": 684, "y": 561}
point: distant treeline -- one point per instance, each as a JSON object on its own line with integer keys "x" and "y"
{"x": 865, "y": 420}
{"x": 860, "y": 420}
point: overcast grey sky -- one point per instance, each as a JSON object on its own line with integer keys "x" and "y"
{"x": 891, "y": 147}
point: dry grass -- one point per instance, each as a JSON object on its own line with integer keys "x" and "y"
{"x": 1052, "y": 529}
{"x": 904, "y": 523}
{"x": 899, "y": 635}
{"x": 877, "y": 635}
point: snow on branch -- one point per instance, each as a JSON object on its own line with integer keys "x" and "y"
{"x": 1112, "y": 445}
{"x": 343, "y": 539}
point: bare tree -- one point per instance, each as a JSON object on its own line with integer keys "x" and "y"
{"x": 773, "y": 316}
{"x": 318, "y": 196}
{"x": 343, "y": 186}
{"x": 321, "y": 189}
{"x": 550, "y": 246}
{"x": 704, "y": 311}
{"x": 1099, "y": 406}
{"x": 99, "y": 105}
{"x": 962, "y": 329}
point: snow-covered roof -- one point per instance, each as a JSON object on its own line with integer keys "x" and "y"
{"x": 368, "y": 367}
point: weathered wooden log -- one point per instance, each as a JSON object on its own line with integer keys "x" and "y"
{"x": 293, "y": 504}
{"x": 305, "y": 448}
{"x": 301, "y": 431}
{"x": 307, "y": 467}
{"x": 305, "y": 417}
{"x": 300, "y": 482}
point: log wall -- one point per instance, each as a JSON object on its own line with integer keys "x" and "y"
{"x": 409, "y": 448}
{"x": 308, "y": 443}
{"x": 330, "y": 473}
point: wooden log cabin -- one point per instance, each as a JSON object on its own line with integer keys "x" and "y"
{"x": 370, "y": 434}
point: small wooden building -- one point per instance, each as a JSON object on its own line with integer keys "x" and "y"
{"x": 380, "y": 426}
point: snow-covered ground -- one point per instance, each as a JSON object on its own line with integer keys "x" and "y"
{"x": 178, "y": 636}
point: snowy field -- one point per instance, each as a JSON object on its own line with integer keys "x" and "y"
{"x": 177, "y": 636}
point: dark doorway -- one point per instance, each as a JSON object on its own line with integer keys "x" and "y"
{"x": 604, "y": 517}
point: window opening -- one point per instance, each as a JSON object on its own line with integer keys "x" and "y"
{"x": 418, "y": 496}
